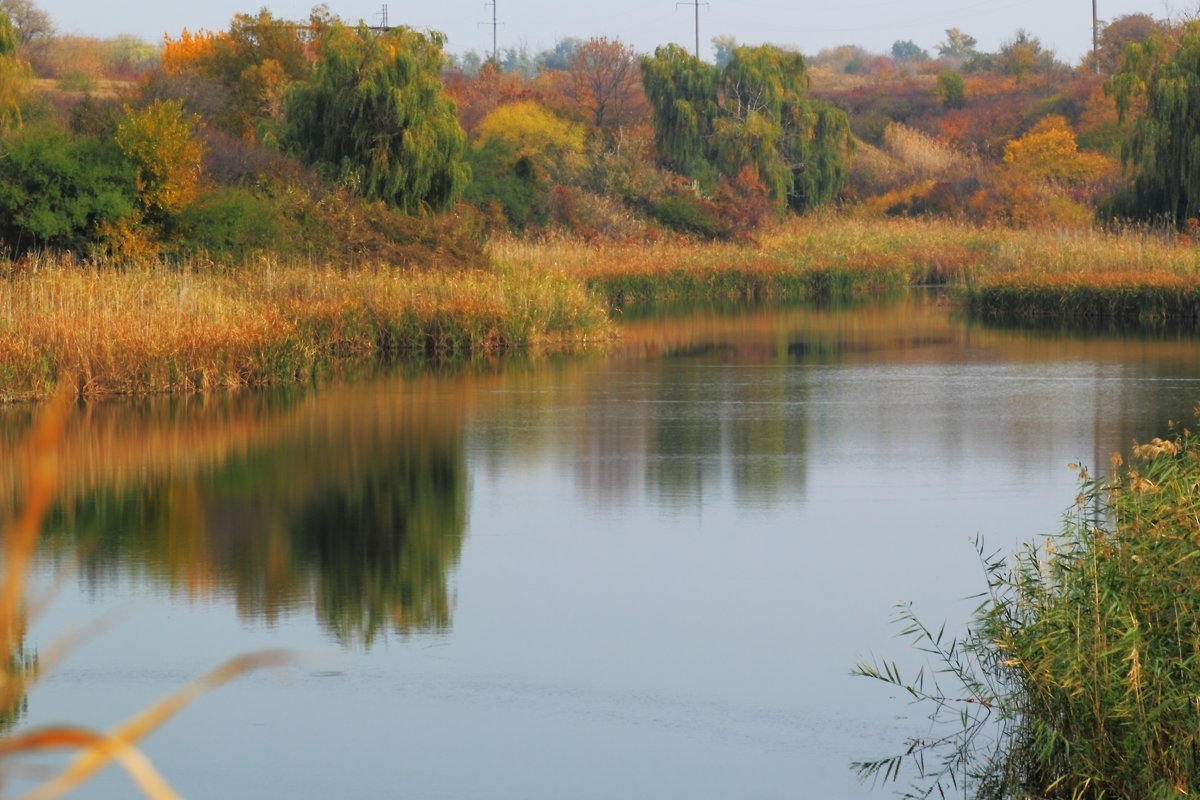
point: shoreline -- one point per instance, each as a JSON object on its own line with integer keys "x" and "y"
{"x": 192, "y": 328}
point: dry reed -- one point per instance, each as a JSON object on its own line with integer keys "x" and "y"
{"x": 157, "y": 329}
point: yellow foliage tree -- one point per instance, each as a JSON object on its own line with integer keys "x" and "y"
{"x": 533, "y": 132}
{"x": 1049, "y": 152}
{"x": 166, "y": 154}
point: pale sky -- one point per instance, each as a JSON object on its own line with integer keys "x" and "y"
{"x": 1062, "y": 25}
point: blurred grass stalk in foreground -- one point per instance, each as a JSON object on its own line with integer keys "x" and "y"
{"x": 18, "y": 672}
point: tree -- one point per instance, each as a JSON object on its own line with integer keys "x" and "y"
{"x": 31, "y": 22}
{"x": 951, "y": 89}
{"x": 1023, "y": 55}
{"x": 711, "y": 123}
{"x": 252, "y": 63}
{"x": 1049, "y": 153}
{"x": 682, "y": 91}
{"x": 56, "y": 192}
{"x": 908, "y": 51}
{"x": 723, "y": 46}
{"x": 375, "y": 115}
{"x": 159, "y": 141}
{"x": 549, "y": 142}
{"x": 604, "y": 80}
{"x": 958, "y": 45}
{"x": 1163, "y": 152}
{"x": 1126, "y": 29}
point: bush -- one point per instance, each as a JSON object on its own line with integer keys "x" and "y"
{"x": 59, "y": 193}
{"x": 685, "y": 211}
{"x": 232, "y": 223}
{"x": 500, "y": 177}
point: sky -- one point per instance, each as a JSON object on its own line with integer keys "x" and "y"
{"x": 1062, "y": 25}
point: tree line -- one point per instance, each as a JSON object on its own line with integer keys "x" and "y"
{"x": 322, "y": 136}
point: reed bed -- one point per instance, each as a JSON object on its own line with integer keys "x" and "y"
{"x": 191, "y": 328}
{"x": 819, "y": 257}
{"x": 1080, "y": 676}
{"x": 159, "y": 329}
{"x": 1152, "y": 296}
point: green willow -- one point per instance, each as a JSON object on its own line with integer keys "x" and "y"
{"x": 375, "y": 115}
{"x": 1163, "y": 151}
{"x": 713, "y": 123}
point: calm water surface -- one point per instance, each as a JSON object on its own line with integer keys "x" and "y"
{"x": 644, "y": 574}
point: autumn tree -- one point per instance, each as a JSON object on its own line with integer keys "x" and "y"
{"x": 1049, "y": 153}
{"x": 477, "y": 95}
{"x": 603, "y": 78}
{"x": 1163, "y": 151}
{"x": 250, "y": 67}
{"x": 160, "y": 142}
{"x": 551, "y": 143}
{"x": 189, "y": 51}
{"x": 30, "y": 21}
{"x": 1126, "y": 29}
{"x": 375, "y": 115}
{"x": 958, "y": 45}
{"x": 1023, "y": 55}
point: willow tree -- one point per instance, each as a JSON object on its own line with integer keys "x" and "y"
{"x": 374, "y": 114}
{"x": 1163, "y": 152}
{"x": 683, "y": 92}
{"x": 753, "y": 113}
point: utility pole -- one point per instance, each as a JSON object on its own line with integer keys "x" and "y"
{"x": 383, "y": 21}
{"x": 696, "y": 4}
{"x": 495, "y": 25}
{"x": 1095, "y": 38}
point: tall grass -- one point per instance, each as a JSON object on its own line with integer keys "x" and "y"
{"x": 1086, "y": 651}
{"x": 192, "y": 328}
{"x": 160, "y": 329}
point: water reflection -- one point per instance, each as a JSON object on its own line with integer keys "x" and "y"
{"x": 353, "y": 504}
{"x": 678, "y": 546}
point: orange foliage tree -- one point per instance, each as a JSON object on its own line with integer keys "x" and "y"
{"x": 188, "y": 52}
{"x": 604, "y": 81}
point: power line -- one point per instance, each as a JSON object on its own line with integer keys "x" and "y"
{"x": 696, "y": 4}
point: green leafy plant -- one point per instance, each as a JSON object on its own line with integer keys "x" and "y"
{"x": 1080, "y": 673}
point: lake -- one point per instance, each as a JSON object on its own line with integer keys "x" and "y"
{"x": 641, "y": 573}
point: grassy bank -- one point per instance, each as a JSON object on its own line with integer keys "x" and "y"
{"x": 813, "y": 258}
{"x": 1080, "y": 675}
{"x": 182, "y": 330}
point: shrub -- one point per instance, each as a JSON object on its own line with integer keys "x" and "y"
{"x": 60, "y": 193}
{"x": 511, "y": 182}
{"x": 232, "y": 223}
{"x": 686, "y": 211}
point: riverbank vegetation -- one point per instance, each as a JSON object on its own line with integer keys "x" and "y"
{"x": 160, "y": 205}
{"x": 183, "y": 329}
{"x": 1079, "y": 675}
